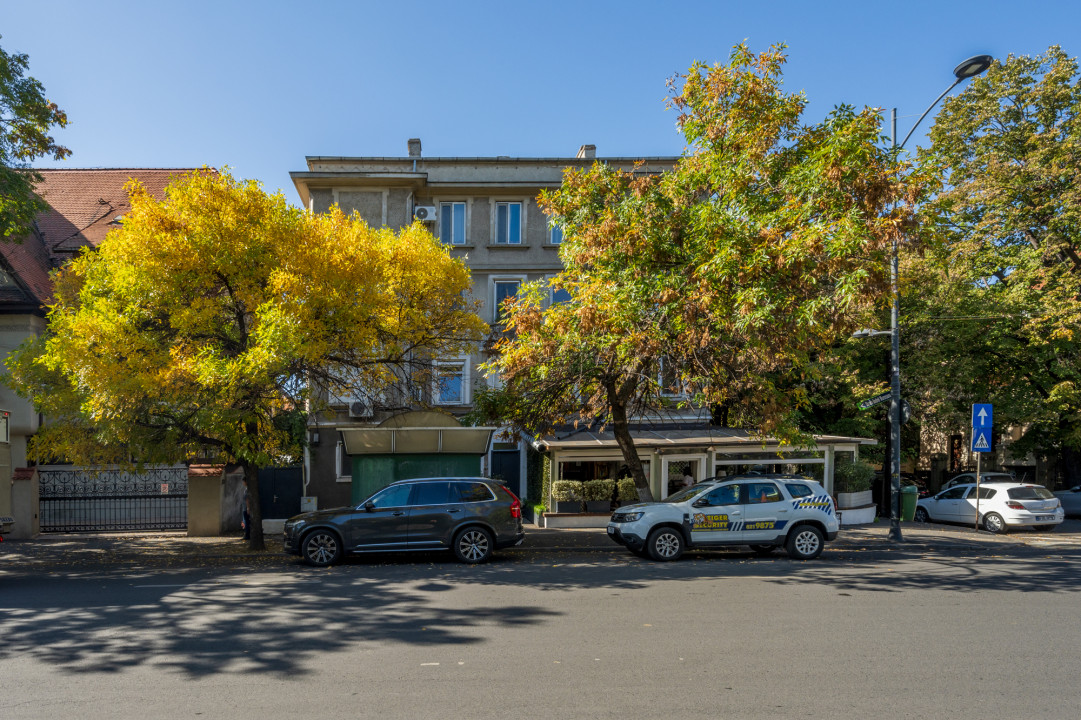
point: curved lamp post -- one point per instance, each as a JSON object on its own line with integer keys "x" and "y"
{"x": 967, "y": 69}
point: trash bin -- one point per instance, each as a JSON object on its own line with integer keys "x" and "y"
{"x": 909, "y": 495}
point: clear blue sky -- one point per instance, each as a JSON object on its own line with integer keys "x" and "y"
{"x": 260, "y": 85}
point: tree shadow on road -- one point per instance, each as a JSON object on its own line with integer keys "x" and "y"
{"x": 277, "y": 620}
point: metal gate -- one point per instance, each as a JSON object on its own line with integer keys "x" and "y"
{"x": 82, "y": 500}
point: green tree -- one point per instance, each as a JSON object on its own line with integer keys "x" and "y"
{"x": 727, "y": 277}
{"x": 208, "y": 320}
{"x": 993, "y": 311}
{"x": 25, "y": 119}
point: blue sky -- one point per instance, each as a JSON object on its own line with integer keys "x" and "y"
{"x": 258, "y": 86}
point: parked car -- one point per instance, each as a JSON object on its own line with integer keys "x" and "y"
{"x": 469, "y": 516}
{"x": 985, "y": 479}
{"x": 1002, "y": 506}
{"x": 765, "y": 511}
{"x": 1071, "y": 501}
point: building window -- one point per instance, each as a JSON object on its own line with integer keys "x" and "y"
{"x": 343, "y": 468}
{"x": 451, "y": 384}
{"x": 452, "y": 223}
{"x": 505, "y": 289}
{"x": 668, "y": 379}
{"x": 508, "y": 223}
{"x": 555, "y": 234}
{"x": 559, "y": 295}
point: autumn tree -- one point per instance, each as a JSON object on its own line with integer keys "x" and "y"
{"x": 25, "y": 119}
{"x": 993, "y": 311}
{"x": 724, "y": 278}
{"x": 209, "y": 319}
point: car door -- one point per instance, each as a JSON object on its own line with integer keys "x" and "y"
{"x": 946, "y": 506}
{"x": 967, "y": 508}
{"x": 381, "y": 522}
{"x": 716, "y": 517}
{"x": 434, "y": 509}
{"x": 765, "y": 512}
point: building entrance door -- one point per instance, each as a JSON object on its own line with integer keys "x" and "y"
{"x": 680, "y": 471}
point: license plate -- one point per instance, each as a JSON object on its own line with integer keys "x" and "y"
{"x": 1040, "y": 518}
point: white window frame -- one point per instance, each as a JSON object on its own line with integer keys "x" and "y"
{"x": 465, "y": 231}
{"x": 552, "y": 228}
{"x": 521, "y": 222}
{"x": 339, "y": 448}
{"x": 665, "y": 393}
{"x": 493, "y": 282}
{"x": 462, "y": 363}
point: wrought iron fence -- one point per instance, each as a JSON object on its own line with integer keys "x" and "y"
{"x": 84, "y": 500}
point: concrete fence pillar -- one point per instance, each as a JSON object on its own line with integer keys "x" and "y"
{"x": 25, "y": 504}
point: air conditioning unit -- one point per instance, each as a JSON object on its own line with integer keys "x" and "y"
{"x": 424, "y": 213}
{"x": 361, "y": 409}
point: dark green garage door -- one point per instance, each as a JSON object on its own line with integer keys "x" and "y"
{"x": 372, "y": 472}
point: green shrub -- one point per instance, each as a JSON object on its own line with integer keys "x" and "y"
{"x": 587, "y": 490}
{"x": 853, "y": 476}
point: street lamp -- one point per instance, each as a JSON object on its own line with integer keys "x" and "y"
{"x": 967, "y": 69}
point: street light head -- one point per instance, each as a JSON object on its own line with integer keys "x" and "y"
{"x": 861, "y": 334}
{"x": 972, "y": 67}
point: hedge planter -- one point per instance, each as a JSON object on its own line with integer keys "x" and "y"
{"x": 854, "y": 499}
{"x": 858, "y": 516}
{"x": 576, "y": 520}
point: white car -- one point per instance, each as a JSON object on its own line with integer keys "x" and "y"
{"x": 1071, "y": 501}
{"x": 763, "y": 511}
{"x": 1002, "y": 506}
{"x": 985, "y": 479}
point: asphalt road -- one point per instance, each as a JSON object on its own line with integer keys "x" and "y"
{"x": 959, "y": 627}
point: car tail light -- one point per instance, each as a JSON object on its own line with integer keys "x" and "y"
{"x": 515, "y": 504}
{"x": 1013, "y": 505}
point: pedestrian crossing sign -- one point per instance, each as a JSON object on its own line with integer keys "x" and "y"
{"x": 981, "y": 441}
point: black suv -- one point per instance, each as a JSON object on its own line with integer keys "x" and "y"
{"x": 471, "y": 516}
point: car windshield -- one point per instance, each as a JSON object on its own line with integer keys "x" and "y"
{"x": 686, "y": 494}
{"x": 1029, "y": 492}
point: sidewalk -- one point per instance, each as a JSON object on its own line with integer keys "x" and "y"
{"x": 175, "y": 549}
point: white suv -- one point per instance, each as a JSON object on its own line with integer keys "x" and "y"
{"x": 763, "y": 511}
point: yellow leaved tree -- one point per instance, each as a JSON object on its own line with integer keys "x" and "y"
{"x": 209, "y": 319}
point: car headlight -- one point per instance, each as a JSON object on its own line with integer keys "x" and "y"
{"x": 632, "y": 516}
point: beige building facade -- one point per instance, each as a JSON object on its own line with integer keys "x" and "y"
{"x": 485, "y": 210}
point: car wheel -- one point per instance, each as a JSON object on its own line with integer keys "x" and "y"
{"x": 473, "y": 545}
{"x": 993, "y": 523}
{"x": 805, "y": 543}
{"x": 321, "y": 548}
{"x": 665, "y": 544}
{"x": 764, "y": 549}
{"x": 921, "y": 515}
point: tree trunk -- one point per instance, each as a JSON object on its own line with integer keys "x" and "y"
{"x": 622, "y": 430}
{"x": 251, "y": 478}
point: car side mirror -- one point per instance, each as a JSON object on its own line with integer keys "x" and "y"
{"x": 700, "y": 502}
{"x": 369, "y": 506}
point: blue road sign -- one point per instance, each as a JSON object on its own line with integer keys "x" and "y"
{"x": 981, "y": 440}
{"x": 982, "y": 420}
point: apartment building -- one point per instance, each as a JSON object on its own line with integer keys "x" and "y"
{"x": 485, "y": 210}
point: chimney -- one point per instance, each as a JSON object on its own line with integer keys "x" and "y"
{"x": 587, "y": 151}
{"x": 414, "y": 147}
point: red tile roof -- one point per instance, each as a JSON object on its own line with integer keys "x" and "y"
{"x": 83, "y": 206}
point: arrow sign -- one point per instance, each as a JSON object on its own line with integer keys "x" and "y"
{"x": 981, "y": 415}
{"x": 876, "y": 400}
